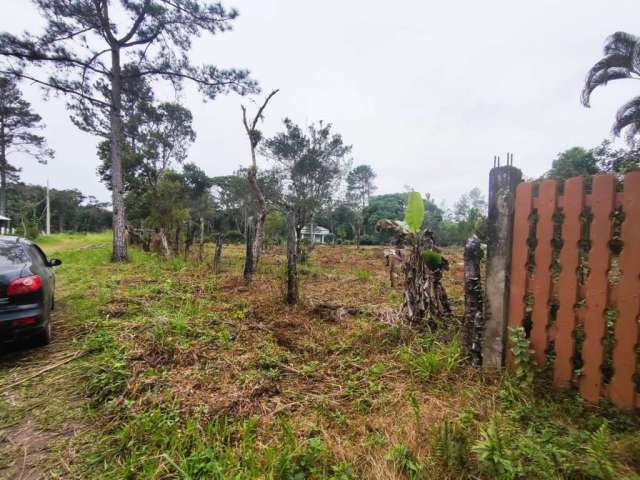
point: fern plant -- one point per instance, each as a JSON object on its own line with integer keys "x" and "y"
{"x": 494, "y": 456}
{"x": 451, "y": 446}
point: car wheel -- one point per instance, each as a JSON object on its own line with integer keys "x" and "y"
{"x": 43, "y": 338}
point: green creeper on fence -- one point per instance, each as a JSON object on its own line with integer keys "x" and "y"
{"x": 425, "y": 299}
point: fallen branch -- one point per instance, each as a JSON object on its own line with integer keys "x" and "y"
{"x": 333, "y": 312}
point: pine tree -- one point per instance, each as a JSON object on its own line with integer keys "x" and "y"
{"x": 17, "y": 126}
{"x": 87, "y": 40}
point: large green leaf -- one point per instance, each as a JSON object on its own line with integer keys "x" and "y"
{"x": 414, "y": 213}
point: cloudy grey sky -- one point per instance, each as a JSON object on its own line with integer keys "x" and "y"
{"x": 426, "y": 92}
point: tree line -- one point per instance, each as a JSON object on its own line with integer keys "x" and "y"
{"x": 106, "y": 57}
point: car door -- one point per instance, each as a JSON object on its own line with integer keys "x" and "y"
{"x": 40, "y": 265}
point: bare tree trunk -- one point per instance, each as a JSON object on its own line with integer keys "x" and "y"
{"x": 473, "y": 320}
{"x": 3, "y": 170}
{"x": 255, "y": 242}
{"x": 188, "y": 240}
{"x": 176, "y": 241}
{"x": 217, "y": 258}
{"x": 201, "y": 251}
{"x": 146, "y": 241}
{"x": 248, "y": 259}
{"x": 117, "y": 138}
{"x": 165, "y": 244}
{"x": 292, "y": 274}
{"x": 298, "y": 232}
{"x": 259, "y": 218}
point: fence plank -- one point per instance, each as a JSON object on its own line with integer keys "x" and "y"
{"x": 541, "y": 281}
{"x": 602, "y": 204}
{"x": 519, "y": 256}
{"x": 622, "y": 388}
{"x": 573, "y": 203}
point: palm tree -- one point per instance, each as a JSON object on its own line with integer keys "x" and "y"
{"x": 621, "y": 60}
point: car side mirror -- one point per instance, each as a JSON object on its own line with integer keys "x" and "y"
{"x": 54, "y": 262}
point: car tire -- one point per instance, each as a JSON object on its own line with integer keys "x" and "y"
{"x": 43, "y": 338}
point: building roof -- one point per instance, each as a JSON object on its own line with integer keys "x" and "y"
{"x": 317, "y": 230}
{"x": 4, "y": 219}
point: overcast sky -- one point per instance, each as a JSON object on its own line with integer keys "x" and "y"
{"x": 426, "y": 92}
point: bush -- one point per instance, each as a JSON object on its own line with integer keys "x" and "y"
{"x": 234, "y": 236}
{"x": 368, "y": 240}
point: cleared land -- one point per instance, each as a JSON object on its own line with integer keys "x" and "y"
{"x": 160, "y": 369}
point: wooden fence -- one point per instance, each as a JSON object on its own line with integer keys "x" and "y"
{"x": 574, "y": 282}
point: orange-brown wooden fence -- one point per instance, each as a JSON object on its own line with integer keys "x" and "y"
{"x": 572, "y": 287}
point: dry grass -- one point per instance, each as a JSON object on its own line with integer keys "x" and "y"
{"x": 170, "y": 340}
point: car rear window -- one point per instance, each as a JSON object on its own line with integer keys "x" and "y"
{"x": 12, "y": 253}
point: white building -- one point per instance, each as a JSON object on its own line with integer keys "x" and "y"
{"x": 4, "y": 225}
{"x": 315, "y": 234}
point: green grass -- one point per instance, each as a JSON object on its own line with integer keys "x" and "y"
{"x": 188, "y": 375}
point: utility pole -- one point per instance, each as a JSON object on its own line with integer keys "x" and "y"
{"x": 48, "y": 211}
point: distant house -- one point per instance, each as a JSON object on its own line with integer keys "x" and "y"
{"x": 4, "y": 224}
{"x": 315, "y": 234}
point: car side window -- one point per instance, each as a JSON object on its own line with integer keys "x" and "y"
{"x": 37, "y": 256}
{"x": 41, "y": 254}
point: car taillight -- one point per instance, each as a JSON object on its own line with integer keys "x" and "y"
{"x": 23, "y": 285}
{"x": 23, "y": 322}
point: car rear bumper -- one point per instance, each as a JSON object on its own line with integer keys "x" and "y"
{"x": 11, "y": 330}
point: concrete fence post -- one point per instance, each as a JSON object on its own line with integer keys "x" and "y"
{"x": 502, "y": 188}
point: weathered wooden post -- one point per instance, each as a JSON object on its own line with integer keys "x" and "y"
{"x": 502, "y": 186}
{"x": 473, "y": 321}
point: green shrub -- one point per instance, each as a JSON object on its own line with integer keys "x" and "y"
{"x": 234, "y": 236}
{"x": 363, "y": 276}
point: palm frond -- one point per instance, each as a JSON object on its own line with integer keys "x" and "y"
{"x": 611, "y": 67}
{"x": 628, "y": 116}
{"x": 620, "y": 43}
{"x": 621, "y": 60}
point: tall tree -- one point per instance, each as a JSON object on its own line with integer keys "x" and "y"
{"x": 311, "y": 165}
{"x": 163, "y": 135}
{"x": 573, "y": 162}
{"x": 618, "y": 161}
{"x": 360, "y": 186}
{"x": 18, "y": 124}
{"x": 256, "y": 238}
{"x": 156, "y": 35}
{"x": 621, "y": 60}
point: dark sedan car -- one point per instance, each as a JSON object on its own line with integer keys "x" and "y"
{"x": 27, "y": 286}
